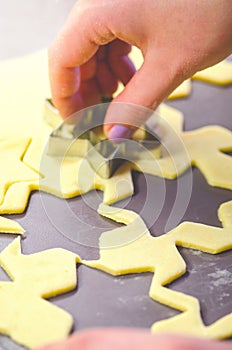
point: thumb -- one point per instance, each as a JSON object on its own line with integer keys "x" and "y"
{"x": 150, "y": 85}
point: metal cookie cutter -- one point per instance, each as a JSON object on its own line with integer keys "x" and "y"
{"x": 84, "y": 137}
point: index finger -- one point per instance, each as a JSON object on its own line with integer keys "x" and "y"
{"x": 84, "y": 31}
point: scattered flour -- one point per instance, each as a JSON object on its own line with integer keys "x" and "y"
{"x": 195, "y": 252}
{"x": 221, "y": 277}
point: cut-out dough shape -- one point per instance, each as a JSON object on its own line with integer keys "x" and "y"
{"x": 220, "y": 74}
{"x": 63, "y": 177}
{"x": 202, "y": 148}
{"x": 73, "y": 176}
{"x": 131, "y": 249}
{"x": 10, "y": 226}
{"x": 12, "y": 168}
{"x": 25, "y": 316}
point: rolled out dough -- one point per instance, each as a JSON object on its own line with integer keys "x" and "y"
{"x": 131, "y": 249}
{"x": 25, "y": 316}
{"x": 10, "y": 226}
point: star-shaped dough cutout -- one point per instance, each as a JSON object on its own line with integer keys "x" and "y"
{"x": 25, "y": 316}
{"x": 131, "y": 249}
{"x": 71, "y": 176}
{"x": 202, "y": 148}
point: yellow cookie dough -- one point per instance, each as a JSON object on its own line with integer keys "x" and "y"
{"x": 225, "y": 214}
{"x": 10, "y": 226}
{"x": 220, "y": 74}
{"x": 23, "y": 121}
{"x": 131, "y": 249}
{"x": 62, "y": 177}
{"x": 24, "y": 85}
{"x": 65, "y": 178}
{"x": 25, "y": 316}
{"x": 12, "y": 168}
{"x": 52, "y": 272}
{"x": 202, "y": 148}
{"x": 17, "y": 197}
{"x": 73, "y": 176}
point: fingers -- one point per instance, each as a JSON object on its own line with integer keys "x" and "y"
{"x": 150, "y": 85}
{"x": 119, "y": 48}
{"x": 119, "y": 62}
{"x": 124, "y": 339}
{"x": 113, "y": 65}
{"x": 76, "y": 44}
{"x": 107, "y": 81}
{"x": 122, "y": 67}
{"x": 86, "y": 96}
{"x": 88, "y": 70}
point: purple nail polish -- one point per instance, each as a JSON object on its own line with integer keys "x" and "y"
{"x": 120, "y": 132}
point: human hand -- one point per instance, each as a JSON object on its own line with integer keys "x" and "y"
{"x": 177, "y": 39}
{"x": 136, "y": 339}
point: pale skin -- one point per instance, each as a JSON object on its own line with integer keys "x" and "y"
{"x": 177, "y": 39}
{"x": 125, "y": 339}
{"x": 89, "y": 57}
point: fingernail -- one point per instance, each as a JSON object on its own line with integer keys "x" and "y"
{"x": 120, "y": 132}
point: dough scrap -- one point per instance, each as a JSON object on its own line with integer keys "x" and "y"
{"x": 25, "y": 316}
{"x": 220, "y": 74}
{"x": 10, "y": 226}
{"x": 131, "y": 249}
